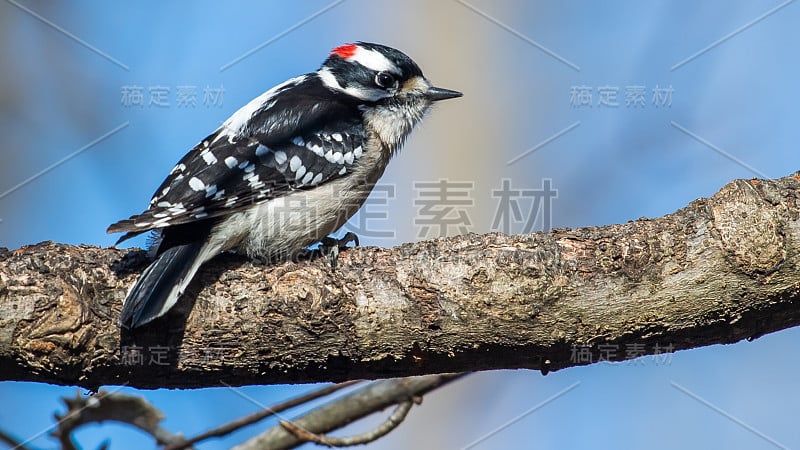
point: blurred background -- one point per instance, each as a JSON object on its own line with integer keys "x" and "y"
{"x": 575, "y": 113}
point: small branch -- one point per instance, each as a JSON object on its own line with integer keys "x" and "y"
{"x": 260, "y": 415}
{"x": 104, "y": 406}
{"x": 13, "y": 443}
{"x": 720, "y": 270}
{"x": 392, "y": 422}
{"x": 358, "y": 404}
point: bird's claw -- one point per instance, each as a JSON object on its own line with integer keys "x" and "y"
{"x": 332, "y": 246}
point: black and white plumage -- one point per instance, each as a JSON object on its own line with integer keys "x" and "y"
{"x": 281, "y": 173}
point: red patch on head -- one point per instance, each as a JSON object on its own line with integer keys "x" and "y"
{"x": 345, "y": 51}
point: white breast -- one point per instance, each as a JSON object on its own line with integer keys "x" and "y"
{"x": 277, "y": 228}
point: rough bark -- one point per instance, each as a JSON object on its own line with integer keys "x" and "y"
{"x": 717, "y": 271}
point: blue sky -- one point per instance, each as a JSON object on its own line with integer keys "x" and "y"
{"x": 551, "y": 86}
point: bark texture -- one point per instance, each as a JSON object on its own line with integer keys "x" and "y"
{"x": 720, "y": 270}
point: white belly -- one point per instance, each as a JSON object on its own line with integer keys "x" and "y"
{"x": 278, "y": 228}
{"x": 282, "y": 226}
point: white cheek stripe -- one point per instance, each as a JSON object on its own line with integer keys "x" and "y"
{"x": 373, "y": 60}
{"x": 371, "y": 95}
{"x": 329, "y": 79}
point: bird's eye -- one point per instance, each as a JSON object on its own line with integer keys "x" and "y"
{"x": 384, "y": 79}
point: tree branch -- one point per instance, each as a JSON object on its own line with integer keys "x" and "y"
{"x": 105, "y": 406}
{"x": 342, "y": 411}
{"x": 396, "y": 418}
{"x": 717, "y": 271}
{"x": 257, "y": 416}
{"x": 12, "y": 441}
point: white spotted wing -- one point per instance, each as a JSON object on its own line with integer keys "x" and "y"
{"x": 278, "y": 150}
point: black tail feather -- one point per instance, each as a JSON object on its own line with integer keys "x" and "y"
{"x": 157, "y": 286}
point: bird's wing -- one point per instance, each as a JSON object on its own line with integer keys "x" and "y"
{"x": 295, "y": 142}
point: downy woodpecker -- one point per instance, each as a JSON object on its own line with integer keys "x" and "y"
{"x": 283, "y": 172}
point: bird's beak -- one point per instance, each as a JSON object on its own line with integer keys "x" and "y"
{"x": 435, "y": 94}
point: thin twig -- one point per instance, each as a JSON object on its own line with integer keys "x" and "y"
{"x": 110, "y": 406}
{"x": 260, "y": 415}
{"x": 397, "y": 417}
{"x": 342, "y": 411}
{"x": 13, "y": 442}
